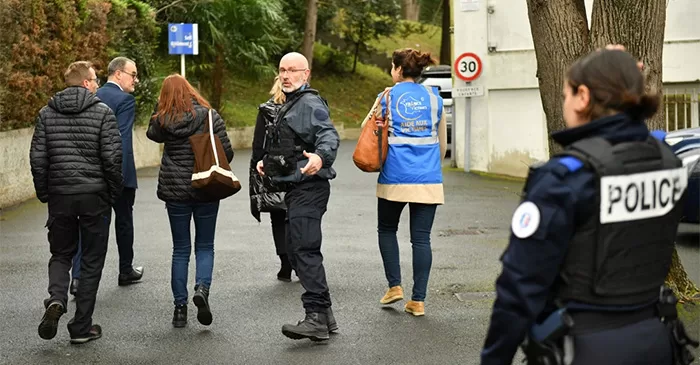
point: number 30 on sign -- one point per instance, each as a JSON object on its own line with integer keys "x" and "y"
{"x": 468, "y": 66}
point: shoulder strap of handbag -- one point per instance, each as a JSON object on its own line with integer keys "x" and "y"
{"x": 211, "y": 137}
{"x": 379, "y": 130}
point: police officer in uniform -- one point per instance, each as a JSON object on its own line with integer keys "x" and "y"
{"x": 300, "y": 148}
{"x": 593, "y": 237}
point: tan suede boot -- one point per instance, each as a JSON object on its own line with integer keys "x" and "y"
{"x": 393, "y": 295}
{"x": 415, "y": 308}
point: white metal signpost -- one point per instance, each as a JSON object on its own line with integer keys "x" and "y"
{"x": 183, "y": 39}
{"x": 467, "y": 67}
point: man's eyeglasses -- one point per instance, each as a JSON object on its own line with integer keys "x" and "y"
{"x": 96, "y": 80}
{"x": 133, "y": 75}
{"x": 284, "y": 71}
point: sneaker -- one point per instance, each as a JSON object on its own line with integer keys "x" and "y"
{"x": 313, "y": 327}
{"x": 94, "y": 333}
{"x": 201, "y": 300}
{"x": 415, "y": 308}
{"x": 49, "y": 323}
{"x": 393, "y": 295}
{"x": 180, "y": 316}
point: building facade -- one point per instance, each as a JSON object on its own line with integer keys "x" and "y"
{"x": 504, "y": 130}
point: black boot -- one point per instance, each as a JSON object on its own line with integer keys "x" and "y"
{"x": 180, "y": 316}
{"x": 332, "y": 324}
{"x": 285, "y": 273}
{"x": 201, "y": 300}
{"x": 313, "y": 327}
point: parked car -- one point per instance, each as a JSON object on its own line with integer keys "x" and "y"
{"x": 441, "y": 76}
{"x": 686, "y": 143}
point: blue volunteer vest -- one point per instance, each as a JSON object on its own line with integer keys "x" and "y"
{"x": 414, "y": 149}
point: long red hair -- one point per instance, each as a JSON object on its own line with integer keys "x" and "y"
{"x": 175, "y": 99}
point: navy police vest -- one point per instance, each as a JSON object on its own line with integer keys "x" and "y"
{"x": 621, "y": 255}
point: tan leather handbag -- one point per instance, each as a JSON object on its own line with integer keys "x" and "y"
{"x": 373, "y": 144}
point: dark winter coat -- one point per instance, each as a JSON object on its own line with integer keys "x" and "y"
{"x": 265, "y": 196}
{"x": 76, "y": 147}
{"x": 177, "y": 163}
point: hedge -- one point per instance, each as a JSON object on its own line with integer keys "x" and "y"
{"x": 40, "y": 39}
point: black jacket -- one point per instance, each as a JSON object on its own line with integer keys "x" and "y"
{"x": 175, "y": 177}
{"x": 309, "y": 118}
{"x": 265, "y": 195}
{"x": 76, "y": 147}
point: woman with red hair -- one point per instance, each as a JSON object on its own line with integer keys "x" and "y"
{"x": 180, "y": 113}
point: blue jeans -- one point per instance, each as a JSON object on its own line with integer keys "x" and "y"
{"x": 422, "y": 216}
{"x": 180, "y": 215}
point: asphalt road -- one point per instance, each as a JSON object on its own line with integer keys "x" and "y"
{"x": 248, "y": 303}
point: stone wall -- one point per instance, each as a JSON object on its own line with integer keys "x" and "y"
{"x": 16, "y": 183}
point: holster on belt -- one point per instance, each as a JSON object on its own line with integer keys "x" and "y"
{"x": 549, "y": 343}
{"x": 666, "y": 310}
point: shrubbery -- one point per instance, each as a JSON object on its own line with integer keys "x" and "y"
{"x": 40, "y": 39}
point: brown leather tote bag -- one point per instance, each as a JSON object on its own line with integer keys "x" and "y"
{"x": 373, "y": 144}
{"x": 212, "y": 173}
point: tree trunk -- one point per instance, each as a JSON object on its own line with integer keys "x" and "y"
{"x": 639, "y": 26}
{"x": 357, "y": 53}
{"x": 678, "y": 280}
{"x": 410, "y": 10}
{"x": 307, "y": 48}
{"x": 560, "y": 34}
{"x": 217, "y": 79}
{"x": 446, "y": 43}
{"x": 357, "y": 46}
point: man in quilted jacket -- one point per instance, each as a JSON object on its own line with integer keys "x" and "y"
{"x": 76, "y": 161}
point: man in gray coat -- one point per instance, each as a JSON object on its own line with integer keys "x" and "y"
{"x": 300, "y": 148}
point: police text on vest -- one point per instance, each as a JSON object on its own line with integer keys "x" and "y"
{"x": 641, "y": 196}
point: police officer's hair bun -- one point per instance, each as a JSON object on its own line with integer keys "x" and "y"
{"x": 616, "y": 85}
{"x": 640, "y": 107}
{"x": 411, "y": 61}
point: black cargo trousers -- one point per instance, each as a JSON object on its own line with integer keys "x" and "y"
{"x": 306, "y": 203}
{"x": 69, "y": 215}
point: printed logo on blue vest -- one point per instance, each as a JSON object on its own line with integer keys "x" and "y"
{"x": 410, "y": 108}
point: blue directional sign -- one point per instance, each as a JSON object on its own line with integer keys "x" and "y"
{"x": 183, "y": 39}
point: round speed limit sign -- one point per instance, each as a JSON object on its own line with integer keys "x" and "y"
{"x": 468, "y": 66}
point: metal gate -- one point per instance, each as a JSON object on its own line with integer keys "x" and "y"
{"x": 682, "y": 109}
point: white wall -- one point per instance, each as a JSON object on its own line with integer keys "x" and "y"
{"x": 513, "y": 119}
{"x": 505, "y": 127}
{"x": 16, "y": 183}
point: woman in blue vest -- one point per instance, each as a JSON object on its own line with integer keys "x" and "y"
{"x": 412, "y": 173}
